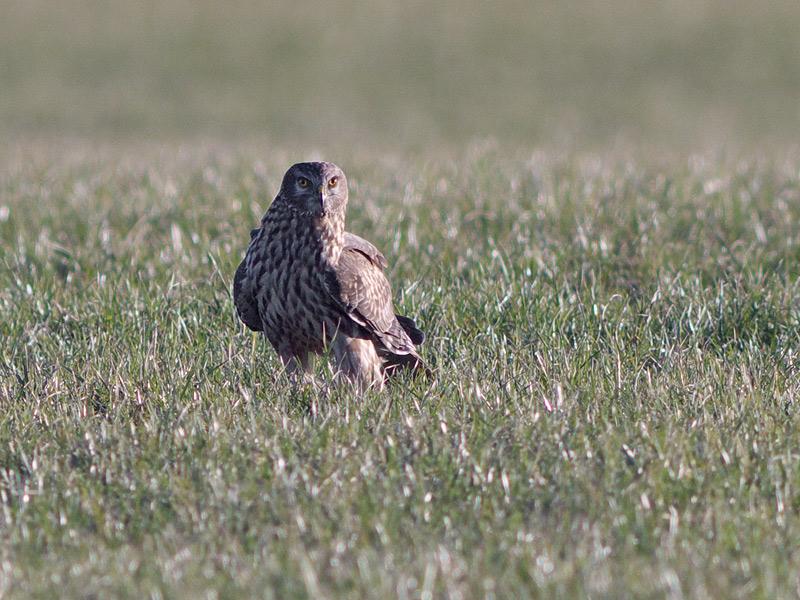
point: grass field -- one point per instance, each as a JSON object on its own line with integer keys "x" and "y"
{"x": 591, "y": 208}
{"x": 614, "y": 410}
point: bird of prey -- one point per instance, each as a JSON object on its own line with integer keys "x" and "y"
{"x": 309, "y": 285}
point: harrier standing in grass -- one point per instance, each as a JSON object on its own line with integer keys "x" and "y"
{"x": 310, "y": 285}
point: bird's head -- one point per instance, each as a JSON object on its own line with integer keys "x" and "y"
{"x": 316, "y": 189}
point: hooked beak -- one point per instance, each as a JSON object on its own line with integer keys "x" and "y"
{"x": 321, "y": 201}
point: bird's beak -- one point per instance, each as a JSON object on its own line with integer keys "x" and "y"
{"x": 321, "y": 201}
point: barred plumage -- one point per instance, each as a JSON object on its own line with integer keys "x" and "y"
{"x": 309, "y": 285}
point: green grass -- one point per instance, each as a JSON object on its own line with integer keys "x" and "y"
{"x": 614, "y": 411}
{"x": 591, "y": 208}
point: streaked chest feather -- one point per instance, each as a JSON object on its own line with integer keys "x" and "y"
{"x": 289, "y": 265}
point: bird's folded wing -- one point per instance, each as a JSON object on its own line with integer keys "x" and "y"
{"x": 359, "y": 244}
{"x": 361, "y": 288}
{"x": 243, "y": 299}
{"x": 246, "y": 305}
{"x": 355, "y": 243}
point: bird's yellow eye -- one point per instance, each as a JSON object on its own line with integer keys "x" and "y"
{"x": 303, "y": 182}
{"x": 332, "y": 182}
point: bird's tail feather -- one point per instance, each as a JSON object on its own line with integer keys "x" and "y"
{"x": 398, "y": 349}
{"x": 394, "y": 363}
{"x": 411, "y": 329}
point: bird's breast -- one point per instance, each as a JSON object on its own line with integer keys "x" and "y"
{"x": 293, "y": 299}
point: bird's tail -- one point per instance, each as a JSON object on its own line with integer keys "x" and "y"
{"x": 411, "y": 329}
{"x": 412, "y": 362}
{"x": 398, "y": 352}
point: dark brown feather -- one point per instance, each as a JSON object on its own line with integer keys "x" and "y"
{"x": 410, "y": 327}
{"x": 246, "y": 305}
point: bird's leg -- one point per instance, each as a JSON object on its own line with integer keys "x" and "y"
{"x": 298, "y": 368}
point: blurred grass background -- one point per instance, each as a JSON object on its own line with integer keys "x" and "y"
{"x": 675, "y": 72}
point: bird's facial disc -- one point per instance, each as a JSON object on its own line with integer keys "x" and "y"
{"x": 318, "y": 189}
